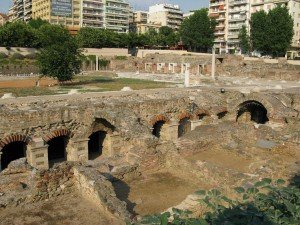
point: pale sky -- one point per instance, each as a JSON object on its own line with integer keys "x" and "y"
{"x": 185, "y": 5}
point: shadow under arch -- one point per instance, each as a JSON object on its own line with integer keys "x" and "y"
{"x": 252, "y": 110}
{"x": 12, "y": 147}
{"x": 57, "y": 142}
{"x": 98, "y": 137}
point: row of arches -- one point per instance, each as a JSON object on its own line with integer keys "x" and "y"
{"x": 57, "y": 141}
{"x": 57, "y": 149}
{"x": 247, "y": 111}
{"x": 15, "y": 147}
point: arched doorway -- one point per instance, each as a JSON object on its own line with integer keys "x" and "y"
{"x": 221, "y": 115}
{"x": 157, "y": 128}
{"x": 202, "y": 116}
{"x": 12, "y": 151}
{"x": 57, "y": 149}
{"x": 252, "y": 111}
{"x": 184, "y": 126}
{"x": 95, "y": 144}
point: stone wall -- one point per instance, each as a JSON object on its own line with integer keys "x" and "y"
{"x": 132, "y": 116}
{"x": 260, "y": 68}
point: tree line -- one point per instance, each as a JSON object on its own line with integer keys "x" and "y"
{"x": 271, "y": 33}
{"x": 196, "y": 33}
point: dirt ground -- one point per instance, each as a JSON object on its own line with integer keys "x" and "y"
{"x": 26, "y": 82}
{"x": 64, "y": 210}
{"x": 155, "y": 191}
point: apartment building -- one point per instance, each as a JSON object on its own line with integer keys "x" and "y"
{"x": 64, "y": 12}
{"x": 117, "y": 13}
{"x": 218, "y": 10}
{"x": 140, "y": 17}
{"x": 238, "y": 16}
{"x": 107, "y": 14}
{"x": 92, "y": 13}
{"x": 294, "y": 10}
{"x": 3, "y": 19}
{"x": 166, "y": 15}
{"x": 21, "y": 10}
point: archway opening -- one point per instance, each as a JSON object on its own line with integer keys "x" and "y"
{"x": 202, "y": 116}
{"x": 222, "y": 114}
{"x": 57, "y": 149}
{"x": 184, "y": 126}
{"x": 12, "y": 151}
{"x": 95, "y": 144}
{"x": 252, "y": 111}
{"x": 157, "y": 128}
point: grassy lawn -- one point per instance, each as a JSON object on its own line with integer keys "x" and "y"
{"x": 85, "y": 84}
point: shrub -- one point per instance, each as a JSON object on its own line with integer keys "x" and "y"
{"x": 17, "y": 56}
{"x": 3, "y": 55}
{"x": 120, "y": 57}
{"x": 31, "y": 56}
{"x": 265, "y": 203}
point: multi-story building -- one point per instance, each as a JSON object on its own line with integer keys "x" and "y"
{"x": 238, "y": 16}
{"x": 92, "y": 13}
{"x": 64, "y": 12}
{"x": 294, "y": 10}
{"x": 107, "y": 14}
{"x": 218, "y": 10}
{"x": 3, "y": 19}
{"x": 117, "y": 13}
{"x": 140, "y": 17}
{"x": 166, "y": 15}
{"x": 21, "y": 10}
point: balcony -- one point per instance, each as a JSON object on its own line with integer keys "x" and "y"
{"x": 241, "y": 18}
{"x": 234, "y": 27}
{"x": 221, "y": 18}
{"x": 220, "y": 33}
{"x": 217, "y": 3}
{"x": 236, "y": 2}
{"x": 233, "y": 36}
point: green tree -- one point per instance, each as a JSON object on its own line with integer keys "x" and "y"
{"x": 259, "y": 31}
{"x": 281, "y": 30}
{"x": 53, "y": 34}
{"x": 60, "y": 57}
{"x": 197, "y": 31}
{"x": 37, "y": 23}
{"x": 18, "y": 34}
{"x": 244, "y": 40}
{"x": 272, "y": 33}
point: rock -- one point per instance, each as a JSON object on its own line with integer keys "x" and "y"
{"x": 73, "y": 91}
{"x": 126, "y": 89}
{"x": 8, "y": 95}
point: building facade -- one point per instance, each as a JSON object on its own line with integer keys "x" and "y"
{"x": 231, "y": 15}
{"x": 166, "y": 15}
{"x": 64, "y": 12}
{"x": 107, "y": 14}
{"x": 218, "y": 10}
{"x": 20, "y": 11}
{"x": 238, "y": 16}
{"x": 294, "y": 10}
{"x": 3, "y": 19}
{"x": 117, "y": 13}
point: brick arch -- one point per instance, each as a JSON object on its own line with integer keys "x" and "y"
{"x": 200, "y": 111}
{"x": 13, "y": 138}
{"x": 159, "y": 118}
{"x": 57, "y": 133}
{"x": 185, "y": 115}
{"x": 261, "y": 100}
{"x": 100, "y": 124}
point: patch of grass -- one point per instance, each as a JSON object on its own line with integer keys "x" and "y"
{"x": 22, "y": 92}
{"x": 86, "y": 84}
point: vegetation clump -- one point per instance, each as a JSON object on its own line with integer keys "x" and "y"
{"x": 265, "y": 203}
